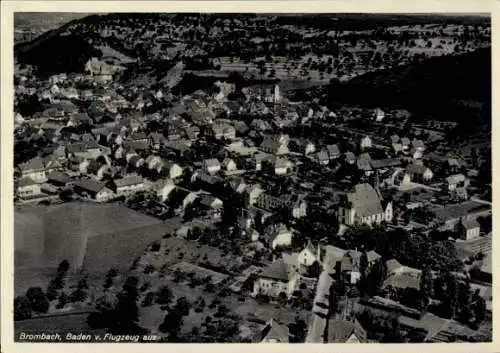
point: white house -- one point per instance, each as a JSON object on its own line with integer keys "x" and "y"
{"x": 172, "y": 170}
{"x": 27, "y": 187}
{"x": 281, "y": 236}
{"x": 211, "y": 166}
{"x": 366, "y": 142}
{"x": 309, "y": 255}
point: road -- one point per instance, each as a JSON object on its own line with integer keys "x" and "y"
{"x": 318, "y": 323}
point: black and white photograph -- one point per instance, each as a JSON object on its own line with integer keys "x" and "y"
{"x": 205, "y": 177}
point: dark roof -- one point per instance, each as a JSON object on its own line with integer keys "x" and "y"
{"x": 277, "y": 271}
{"x": 339, "y": 331}
{"x": 58, "y": 176}
{"x": 27, "y": 181}
{"x": 384, "y": 163}
{"x": 33, "y": 164}
{"x": 276, "y": 332}
{"x": 89, "y": 185}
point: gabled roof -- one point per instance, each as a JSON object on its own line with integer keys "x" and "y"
{"x": 128, "y": 180}
{"x": 27, "y": 181}
{"x": 212, "y": 162}
{"x": 275, "y": 331}
{"x": 333, "y": 150}
{"x": 33, "y": 164}
{"x": 455, "y": 179}
{"x": 339, "y": 331}
{"x": 278, "y": 270}
{"x": 89, "y": 185}
{"x": 58, "y": 176}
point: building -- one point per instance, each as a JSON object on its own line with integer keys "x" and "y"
{"x": 34, "y": 169}
{"x": 28, "y": 188}
{"x": 93, "y": 190}
{"x": 275, "y": 332}
{"x": 448, "y": 217}
{"x": 128, "y": 185}
{"x": 345, "y": 331}
{"x": 365, "y": 143}
{"x": 268, "y": 92}
{"x": 350, "y": 263}
{"x": 211, "y": 166}
{"x": 295, "y": 203}
{"x": 469, "y": 229}
{"x": 280, "y": 235}
{"x": 309, "y": 255}
{"x": 419, "y": 173}
{"x": 273, "y": 145}
{"x": 364, "y": 206}
{"x": 172, "y": 170}
{"x": 274, "y": 280}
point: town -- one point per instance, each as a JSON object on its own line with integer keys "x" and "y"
{"x": 255, "y": 178}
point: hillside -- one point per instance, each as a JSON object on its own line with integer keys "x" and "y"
{"x": 452, "y": 88}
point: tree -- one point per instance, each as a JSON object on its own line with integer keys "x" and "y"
{"x": 37, "y": 299}
{"x": 63, "y": 299}
{"x": 314, "y": 270}
{"x": 79, "y": 295}
{"x": 393, "y": 334}
{"x": 479, "y": 307}
{"x": 53, "y": 288}
{"x": 450, "y": 301}
{"x": 298, "y": 330}
{"x": 22, "y": 308}
{"x": 172, "y": 323}
{"x": 63, "y": 267}
{"x": 148, "y": 299}
{"x": 182, "y": 306}
{"x": 126, "y": 311}
{"x": 164, "y": 296}
{"x": 426, "y": 286}
{"x": 464, "y": 302}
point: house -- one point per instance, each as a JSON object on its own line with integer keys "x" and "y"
{"x": 241, "y": 128}
{"x": 229, "y": 165}
{"x": 419, "y": 173}
{"x": 93, "y": 190}
{"x": 365, "y": 143}
{"x": 34, "y": 169}
{"x": 58, "y": 178}
{"x": 379, "y": 115}
{"x": 274, "y": 280}
{"x": 280, "y": 235}
{"x": 157, "y": 140}
{"x": 469, "y": 229}
{"x": 275, "y": 332}
{"x": 220, "y": 130}
{"x": 333, "y": 151}
{"x": 163, "y": 188}
{"x": 303, "y": 146}
{"x": 135, "y": 161}
{"x": 172, "y": 170}
{"x": 345, "y": 331}
{"x": 322, "y": 157}
{"x": 28, "y": 188}
{"x": 275, "y": 146}
{"x": 295, "y": 203}
{"x": 128, "y": 185}
{"x": 281, "y": 165}
{"x": 154, "y": 162}
{"x": 212, "y": 205}
{"x": 350, "y": 263}
{"x": 211, "y": 166}
{"x": 456, "y": 182}
{"x": 405, "y": 143}
{"x": 364, "y": 206}
{"x": 418, "y": 145}
{"x": 237, "y": 184}
{"x": 350, "y": 158}
{"x": 309, "y": 255}
{"x": 268, "y": 92}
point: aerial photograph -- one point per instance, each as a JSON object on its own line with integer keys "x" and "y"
{"x": 252, "y": 178}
